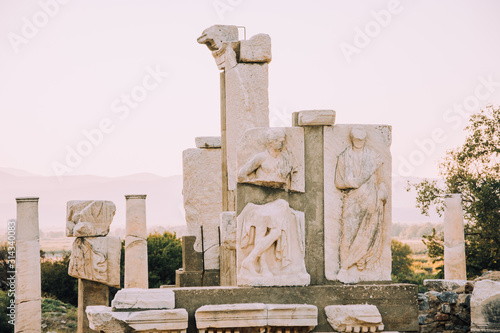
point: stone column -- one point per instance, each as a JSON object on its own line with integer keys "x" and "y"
{"x": 90, "y": 293}
{"x": 136, "y": 247}
{"x": 28, "y": 279}
{"x": 454, "y": 243}
{"x": 244, "y": 93}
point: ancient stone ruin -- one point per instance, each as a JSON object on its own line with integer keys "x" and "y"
{"x": 290, "y": 229}
{"x": 293, "y": 221}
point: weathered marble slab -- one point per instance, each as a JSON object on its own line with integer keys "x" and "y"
{"x": 270, "y": 246}
{"x": 103, "y": 319}
{"x": 454, "y": 242}
{"x": 369, "y": 241}
{"x": 273, "y": 157}
{"x": 202, "y": 191}
{"x": 485, "y": 306}
{"x": 354, "y": 318}
{"x": 143, "y": 299}
{"x": 96, "y": 259}
{"x": 89, "y": 218}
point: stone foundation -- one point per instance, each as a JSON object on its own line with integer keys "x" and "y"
{"x": 397, "y": 303}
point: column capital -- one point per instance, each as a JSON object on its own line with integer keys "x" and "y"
{"x": 135, "y": 196}
{"x": 27, "y": 199}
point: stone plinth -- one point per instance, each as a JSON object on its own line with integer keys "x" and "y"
{"x": 143, "y": 299}
{"x": 397, "y": 303}
{"x": 454, "y": 243}
{"x": 28, "y": 280}
{"x": 103, "y": 319}
{"x": 136, "y": 247}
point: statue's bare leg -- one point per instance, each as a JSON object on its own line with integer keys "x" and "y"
{"x": 262, "y": 243}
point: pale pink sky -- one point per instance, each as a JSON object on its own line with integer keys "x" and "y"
{"x": 419, "y": 67}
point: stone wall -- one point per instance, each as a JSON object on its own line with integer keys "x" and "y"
{"x": 445, "y": 311}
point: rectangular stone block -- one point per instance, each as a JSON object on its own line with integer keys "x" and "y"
{"x": 314, "y": 118}
{"x": 283, "y": 315}
{"x": 208, "y": 142}
{"x": 143, "y": 299}
{"x": 197, "y": 278}
{"x": 103, "y": 319}
{"x": 256, "y": 49}
{"x": 231, "y": 315}
{"x": 202, "y": 192}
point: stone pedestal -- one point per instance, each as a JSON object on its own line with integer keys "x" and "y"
{"x": 397, "y": 303}
{"x": 454, "y": 243}
{"x": 28, "y": 279}
{"x": 136, "y": 247}
{"x": 90, "y": 293}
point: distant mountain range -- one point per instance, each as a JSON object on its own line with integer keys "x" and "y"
{"x": 164, "y": 198}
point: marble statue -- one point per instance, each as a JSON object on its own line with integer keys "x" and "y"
{"x": 272, "y": 167}
{"x": 94, "y": 256}
{"x": 89, "y": 218}
{"x": 364, "y": 199}
{"x": 96, "y": 259}
{"x": 272, "y": 157}
{"x": 271, "y": 245}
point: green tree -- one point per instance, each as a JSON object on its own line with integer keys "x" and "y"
{"x": 401, "y": 258}
{"x": 474, "y": 171}
{"x": 4, "y": 311}
{"x": 164, "y": 258}
{"x": 56, "y": 283}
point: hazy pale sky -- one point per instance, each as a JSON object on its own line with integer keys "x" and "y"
{"x": 68, "y": 70}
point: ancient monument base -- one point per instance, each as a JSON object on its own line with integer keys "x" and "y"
{"x": 397, "y": 303}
